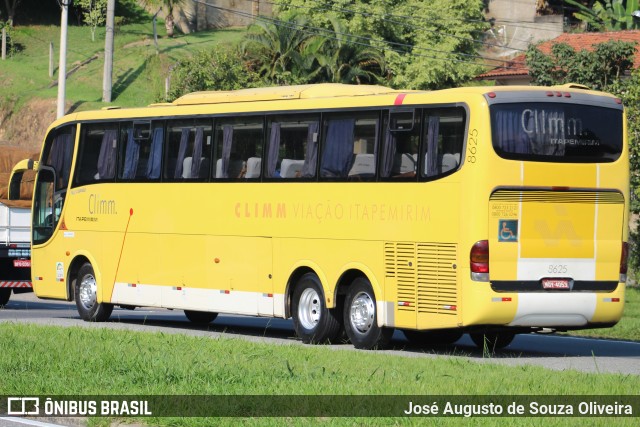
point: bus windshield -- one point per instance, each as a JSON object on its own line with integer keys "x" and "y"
{"x": 556, "y": 132}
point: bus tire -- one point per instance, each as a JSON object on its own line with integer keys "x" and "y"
{"x": 436, "y": 337}
{"x": 313, "y": 321}
{"x": 361, "y": 317}
{"x": 86, "y": 294}
{"x": 491, "y": 341}
{"x": 200, "y": 317}
{"x": 5, "y": 294}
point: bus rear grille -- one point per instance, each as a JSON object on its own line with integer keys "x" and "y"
{"x": 425, "y": 276}
{"x": 546, "y": 196}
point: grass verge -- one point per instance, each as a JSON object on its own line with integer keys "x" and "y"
{"x": 79, "y": 361}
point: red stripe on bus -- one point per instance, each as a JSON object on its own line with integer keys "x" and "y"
{"x": 399, "y": 99}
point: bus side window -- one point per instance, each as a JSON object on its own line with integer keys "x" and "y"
{"x": 141, "y": 156}
{"x": 400, "y": 146}
{"x": 238, "y": 148}
{"x": 292, "y": 147}
{"x": 188, "y": 150}
{"x": 442, "y": 141}
{"x": 97, "y": 153}
{"x": 349, "y": 146}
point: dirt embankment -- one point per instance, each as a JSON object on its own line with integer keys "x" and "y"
{"x": 21, "y": 135}
{"x": 26, "y": 128}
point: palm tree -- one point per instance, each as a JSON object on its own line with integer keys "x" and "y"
{"x": 168, "y": 6}
{"x": 281, "y": 50}
{"x": 348, "y": 58}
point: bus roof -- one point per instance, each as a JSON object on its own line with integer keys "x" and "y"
{"x": 323, "y": 90}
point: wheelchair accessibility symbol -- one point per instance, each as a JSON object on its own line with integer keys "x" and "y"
{"x": 508, "y": 230}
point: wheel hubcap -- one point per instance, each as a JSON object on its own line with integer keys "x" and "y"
{"x": 309, "y": 308}
{"x": 88, "y": 291}
{"x": 362, "y": 311}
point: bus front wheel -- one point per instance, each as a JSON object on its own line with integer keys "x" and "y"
{"x": 313, "y": 321}
{"x": 360, "y": 317}
{"x": 200, "y": 317}
{"x": 86, "y": 293}
{"x": 492, "y": 341}
{"x": 5, "y": 294}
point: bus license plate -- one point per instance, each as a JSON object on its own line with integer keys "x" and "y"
{"x": 555, "y": 283}
{"x": 22, "y": 263}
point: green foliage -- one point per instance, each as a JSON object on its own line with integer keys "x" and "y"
{"x": 599, "y": 69}
{"x": 608, "y": 15}
{"x": 280, "y": 53}
{"x": 12, "y": 47}
{"x": 215, "y": 69}
{"x": 93, "y": 14}
{"x": 426, "y": 45}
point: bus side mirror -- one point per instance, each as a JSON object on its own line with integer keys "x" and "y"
{"x": 16, "y": 177}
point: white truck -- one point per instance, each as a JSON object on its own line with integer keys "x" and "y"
{"x": 15, "y": 248}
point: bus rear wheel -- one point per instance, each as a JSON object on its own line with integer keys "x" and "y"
{"x": 437, "y": 337}
{"x": 86, "y": 293}
{"x": 491, "y": 341}
{"x": 361, "y": 317}
{"x": 313, "y": 321}
{"x": 200, "y": 317}
{"x": 5, "y": 294}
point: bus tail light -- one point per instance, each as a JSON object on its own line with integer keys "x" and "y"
{"x": 624, "y": 262}
{"x": 479, "y": 261}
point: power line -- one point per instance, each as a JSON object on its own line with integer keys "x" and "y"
{"x": 333, "y": 35}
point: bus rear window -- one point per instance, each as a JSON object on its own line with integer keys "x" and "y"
{"x": 556, "y": 132}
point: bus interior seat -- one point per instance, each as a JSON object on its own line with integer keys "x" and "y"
{"x": 235, "y": 167}
{"x": 363, "y": 165}
{"x": 449, "y": 162}
{"x": 186, "y": 167}
{"x": 291, "y": 168}
{"x": 404, "y": 163}
{"x": 253, "y": 167}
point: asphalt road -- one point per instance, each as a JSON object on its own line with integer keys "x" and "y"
{"x": 550, "y": 351}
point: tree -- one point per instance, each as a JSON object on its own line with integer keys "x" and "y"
{"x": 608, "y": 15}
{"x": 599, "y": 68}
{"x": 426, "y": 45}
{"x": 279, "y": 51}
{"x": 347, "y": 58}
{"x": 168, "y": 7}
{"x": 217, "y": 69}
{"x": 93, "y": 13}
{"x": 12, "y": 6}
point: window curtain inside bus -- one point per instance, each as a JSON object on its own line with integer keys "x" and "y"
{"x": 155, "y": 156}
{"x": 107, "y": 156}
{"x": 131, "y": 156}
{"x": 337, "y": 154}
{"x": 196, "y": 156}
{"x": 182, "y": 150}
{"x": 433, "y": 133}
{"x": 227, "y": 140}
{"x": 311, "y": 155}
{"x": 388, "y": 154}
{"x": 60, "y": 159}
{"x": 274, "y": 150}
{"x": 508, "y": 133}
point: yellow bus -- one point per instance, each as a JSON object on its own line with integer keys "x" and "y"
{"x": 356, "y": 209}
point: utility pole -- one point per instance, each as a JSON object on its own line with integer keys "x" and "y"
{"x": 108, "y": 52}
{"x": 62, "y": 67}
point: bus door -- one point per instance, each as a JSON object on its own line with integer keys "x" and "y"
{"x": 49, "y": 268}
